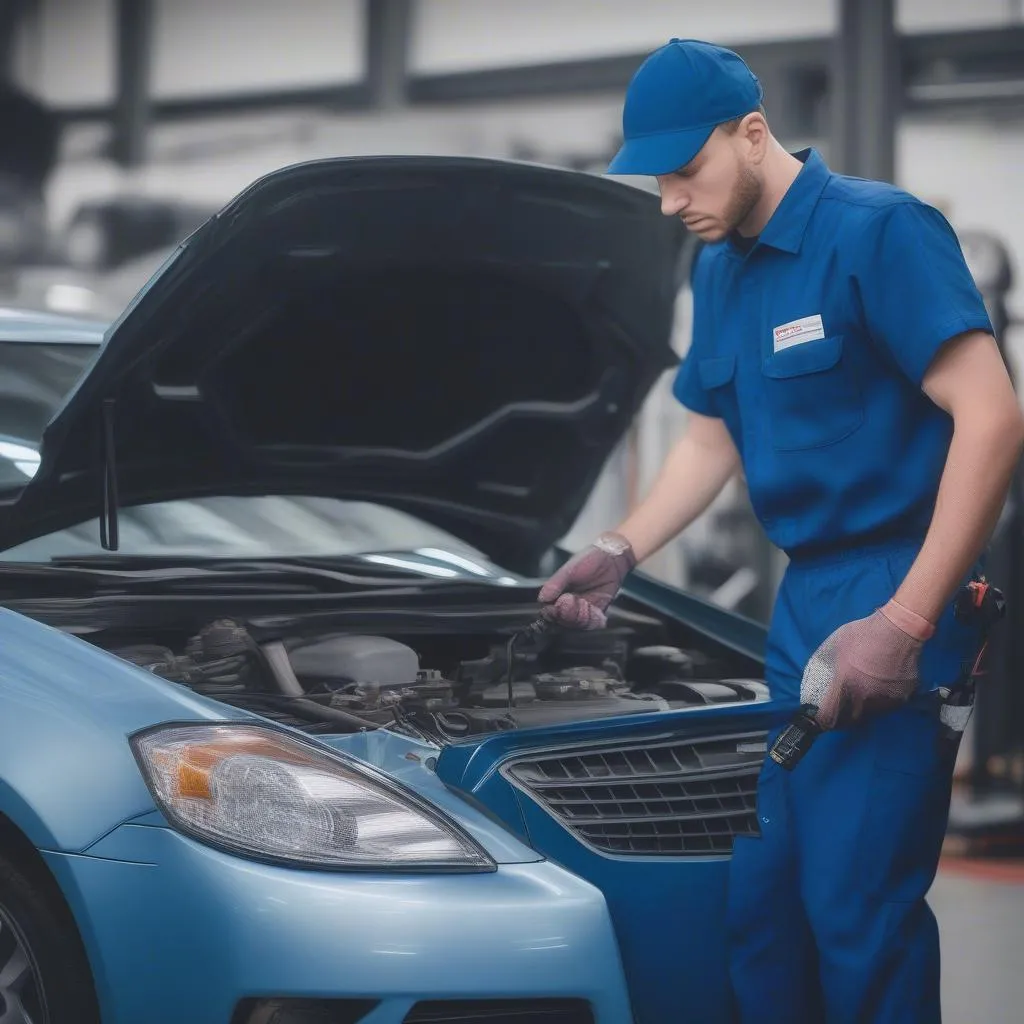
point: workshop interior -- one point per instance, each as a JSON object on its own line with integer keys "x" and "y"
{"x": 297, "y": 412}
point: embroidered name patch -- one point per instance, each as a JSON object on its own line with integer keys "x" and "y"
{"x": 796, "y": 332}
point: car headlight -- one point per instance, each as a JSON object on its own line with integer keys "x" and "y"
{"x": 265, "y": 794}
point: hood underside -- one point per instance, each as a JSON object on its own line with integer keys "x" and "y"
{"x": 463, "y": 339}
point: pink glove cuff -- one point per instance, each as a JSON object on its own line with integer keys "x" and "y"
{"x": 914, "y": 625}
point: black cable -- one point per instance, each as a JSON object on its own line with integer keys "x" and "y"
{"x": 535, "y": 629}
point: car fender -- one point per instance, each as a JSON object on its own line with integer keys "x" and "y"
{"x": 67, "y": 709}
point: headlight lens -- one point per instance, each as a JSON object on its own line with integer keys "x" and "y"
{"x": 263, "y": 793}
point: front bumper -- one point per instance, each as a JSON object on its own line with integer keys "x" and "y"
{"x": 176, "y": 931}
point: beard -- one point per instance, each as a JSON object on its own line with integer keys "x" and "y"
{"x": 746, "y": 195}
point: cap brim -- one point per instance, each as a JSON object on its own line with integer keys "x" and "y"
{"x": 659, "y": 154}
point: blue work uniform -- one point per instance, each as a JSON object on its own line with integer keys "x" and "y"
{"x": 812, "y": 345}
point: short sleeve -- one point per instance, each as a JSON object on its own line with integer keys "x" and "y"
{"x": 687, "y": 386}
{"x": 915, "y": 287}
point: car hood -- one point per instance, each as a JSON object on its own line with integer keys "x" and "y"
{"x": 464, "y": 339}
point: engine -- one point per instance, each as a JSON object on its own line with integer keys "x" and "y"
{"x": 345, "y": 681}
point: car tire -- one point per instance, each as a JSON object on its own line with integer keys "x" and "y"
{"x": 43, "y": 967}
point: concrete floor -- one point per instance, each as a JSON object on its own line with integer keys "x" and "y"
{"x": 981, "y": 922}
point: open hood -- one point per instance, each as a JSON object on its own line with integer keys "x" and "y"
{"x": 463, "y": 339}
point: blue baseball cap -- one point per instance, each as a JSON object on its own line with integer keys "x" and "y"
{"x": 676, "y": 99}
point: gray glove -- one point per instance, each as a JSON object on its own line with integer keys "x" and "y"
{"x": 866, "y": 667}
{"x": 579, "y": 593}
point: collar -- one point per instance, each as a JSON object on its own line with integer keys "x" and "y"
{"x": 787, "y": 226}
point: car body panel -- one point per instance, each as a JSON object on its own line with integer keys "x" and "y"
{"x": 176, "y": 932}
{"x": 67, "y": 773}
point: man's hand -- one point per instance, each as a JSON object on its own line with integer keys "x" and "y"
{"x": 578, "y": 594}
{"x": 866, "y": 667}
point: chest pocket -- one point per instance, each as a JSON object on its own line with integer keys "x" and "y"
{"x": 811, "y": 395}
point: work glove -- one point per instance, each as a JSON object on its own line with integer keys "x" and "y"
{"x": 866, "y": 667}
{"x": 578, "y": 594}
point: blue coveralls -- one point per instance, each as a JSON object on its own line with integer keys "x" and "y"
{"x": 812, "y": 347}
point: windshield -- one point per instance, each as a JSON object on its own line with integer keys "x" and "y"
{"x": 261, "y": 527}
{"x": 34, "y": 378}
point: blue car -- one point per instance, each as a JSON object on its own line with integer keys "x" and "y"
{"x": 276, "y": 743}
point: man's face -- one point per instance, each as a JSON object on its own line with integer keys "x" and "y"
{"x": 716, "y": 191}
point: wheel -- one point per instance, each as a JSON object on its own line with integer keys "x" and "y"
{"x": 44, "y": 973}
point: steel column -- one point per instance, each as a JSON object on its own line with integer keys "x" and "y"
{"x": 866, "y": 90}
{"x": 12, "y": 13}
{"x": 387, "y": 52}
{"x": 134, "y": 19}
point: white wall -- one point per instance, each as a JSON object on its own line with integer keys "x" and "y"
{"x": 462, "y": 35}
{"x": 948, "y": 15}
{"x": 233, "y": 46}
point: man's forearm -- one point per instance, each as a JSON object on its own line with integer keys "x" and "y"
{"x": 692, "y": 476}
{"x": 979, "y": 467}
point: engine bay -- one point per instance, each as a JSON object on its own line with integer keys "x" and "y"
{"x": 440, "y": 686}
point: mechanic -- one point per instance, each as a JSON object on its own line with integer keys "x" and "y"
{"x": 842, "y": 357}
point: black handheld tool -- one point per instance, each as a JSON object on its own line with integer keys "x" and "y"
{"x": 977, "y": 603}
{"x": 796, "y": 739}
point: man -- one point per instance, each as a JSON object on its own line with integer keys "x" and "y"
{"x": 842, "y": 356}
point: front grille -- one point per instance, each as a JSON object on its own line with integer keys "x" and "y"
{"x": 502, "y": 1011}
{"x": 303, "y": 1011}
{"x": 666, "y": 798}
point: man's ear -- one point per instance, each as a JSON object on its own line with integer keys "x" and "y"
{"x": 754, "y": 131}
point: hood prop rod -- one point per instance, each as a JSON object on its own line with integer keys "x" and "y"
{"x": 108, "y": 517}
